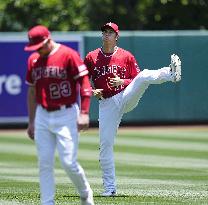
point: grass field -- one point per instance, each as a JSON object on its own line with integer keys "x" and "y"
{"x": 154, "y": 165}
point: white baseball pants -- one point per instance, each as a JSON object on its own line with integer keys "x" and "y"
{"x": 58, "y": 129}
{"x": 111, "y": 111}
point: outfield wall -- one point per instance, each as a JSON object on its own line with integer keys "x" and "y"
{"x": 184, "y": 102}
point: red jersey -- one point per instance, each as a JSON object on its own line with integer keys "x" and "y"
{"x": 102, "y": 66}
{"x": 54, "y": 76}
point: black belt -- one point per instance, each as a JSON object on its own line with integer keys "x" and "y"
{"x": 51, "y": 109}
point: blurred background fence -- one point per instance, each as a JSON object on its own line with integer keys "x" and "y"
{"x": 182, "y": 103}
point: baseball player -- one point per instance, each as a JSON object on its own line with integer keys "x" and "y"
{"x": 54, "y": 117}
{"x": 119, "y": 84}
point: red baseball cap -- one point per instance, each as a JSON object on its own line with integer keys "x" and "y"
{"x": 110, "y": 25}
{"x": 37, "y": 35}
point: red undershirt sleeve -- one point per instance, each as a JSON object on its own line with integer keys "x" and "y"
{"x": 85, "y": 92}
{"x": 127, "y": 81}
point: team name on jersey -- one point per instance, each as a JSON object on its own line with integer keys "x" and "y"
{"x": 49, "y": 72}
{"x": 107, "y": 69}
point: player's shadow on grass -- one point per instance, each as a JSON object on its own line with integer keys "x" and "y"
{"x": 96, "y": 196}
{"x": 116, "y": 196}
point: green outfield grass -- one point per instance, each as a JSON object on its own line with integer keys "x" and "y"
{"x": 154, "y": 165}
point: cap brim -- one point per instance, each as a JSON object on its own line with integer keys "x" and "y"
{"x": 35, "y": 47}
{"x": 107, "y": 26}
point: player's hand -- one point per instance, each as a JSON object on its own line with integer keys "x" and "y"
{"x": 83, "y": 122}
{"x": 116, "y": 81}
{"x": 30, "y": 131}
{"x": 98, "y": 93}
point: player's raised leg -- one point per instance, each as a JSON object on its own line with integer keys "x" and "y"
{"x": 135, "y": 90}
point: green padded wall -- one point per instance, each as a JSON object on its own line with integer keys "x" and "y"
{"x": 186, "y": 101}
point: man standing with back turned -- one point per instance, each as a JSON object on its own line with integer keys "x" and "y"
{"x": 119, "y": 85}
{"x": 54, "y": 117}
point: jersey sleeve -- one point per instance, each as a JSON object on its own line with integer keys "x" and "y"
{"x": 85, "y": 92}
{"x": 29, "y": 78}
{"x": 79, "y": 69}
{"x": 87, "y": 62}
{"x": 133, "y": 66}
{"x": 133, "y": 69}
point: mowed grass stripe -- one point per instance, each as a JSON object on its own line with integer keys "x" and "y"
{"x": 165, "y": 173}
{"x": 162, "y": 143}
{"x": 179, "y": 131}
{"x": 150, "y": 142}
{"x": 158, "y": 149}
{"x": 195, "y": 150}
{"x": 150, "y": 159}
{"x": 126, "y": 156}
{"x": 156, "y": 173}
{"x": 16, "y": 156}
{"x": 173, "y": 137}
{"x": 11, "y": 202}
{"x": 92, "y": 136}
{"x": 189, "y": 132}
{"x": 18, "y": 148}
{"x": 163, "y": 151}
{"x": 16, "y": 140}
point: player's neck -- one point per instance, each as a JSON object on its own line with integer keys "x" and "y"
{"x": 109, "y": 48}
{"x": 54, "y": 47}
{"x": 51, "y": 47}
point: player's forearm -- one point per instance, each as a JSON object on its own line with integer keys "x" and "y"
{"x": 127, "y": 81}
{"x": 31, "y": 103}
{"x": 85, "y": 104}
{"x": 85, "y": 92}
{"x": 133, "y": 74}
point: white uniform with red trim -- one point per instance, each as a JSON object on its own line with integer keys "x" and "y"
{"x": 117, "y": 100}
{"x": 55, "y": 80}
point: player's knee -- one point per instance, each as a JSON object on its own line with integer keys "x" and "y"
{"x": 106, "y": 161}
{"x": 70, "y": 166}
{"x": 106, "y": 144}
{"x": 45, "y": 166}
{"x": 106, "y": 154}
{"x": 144, "y": 75}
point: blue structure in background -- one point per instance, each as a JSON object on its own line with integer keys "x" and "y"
{"x": 13, "y": 90}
